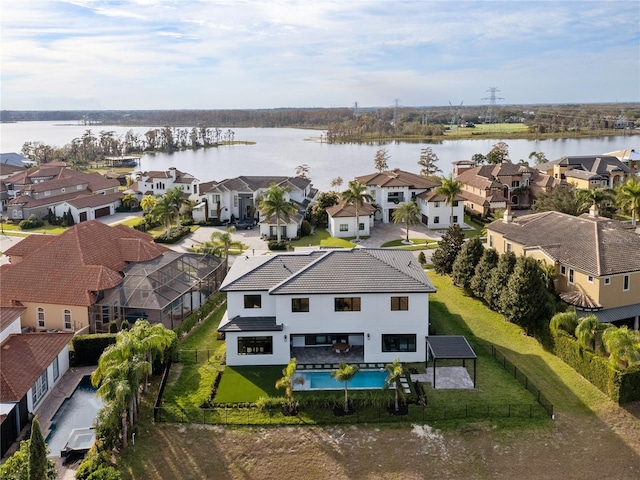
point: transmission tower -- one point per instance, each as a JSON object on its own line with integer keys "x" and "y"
{"x": 489, "y": 118}
{"x": 396, "y": 103}
{"x": 355, "y": 109}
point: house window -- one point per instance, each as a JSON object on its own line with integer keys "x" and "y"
{"x": 67, "y": 319}
{"x": 490, "y": 241}
{"x": 436, "y": 204}
{"x": 625, "y": 283}
{"x": 215, "y": 197}
{"x": 299, "y": 304}
{"x": 607, "y": 281}
{"x": 590, "y": 279}
{"x": 563, "y": 270}
{"x": 399, "y": 343}
{"x": 515, "y": 184}
{"x": 105, "y": 314}
{"x": 252, "y": 301}
{"x": 571, "y": 273}
{"x": 47, "y": 193}
{"x": 344, "y": 227}
{"x": 235, "y": 200}
{"x": 455, "y": 203}
{"x": 40, "y": 317}
{"x": 455, "y": 219}
{"x": 373, "y": 194}
{"x": 78, "y": 187}
{"x": 255, "y": 345}
{"x": 273, "y": 231}
{"x": 436, "y": 219}
{"x": 509, "y": 247}
{"x": 40, "y": 388}
{"x": 325, "y": 339}
{"x": 399, "y": 303}
{"x": 56, "y": 369}
{"x": 361, "y": 226}
{"x": 347, "y": 304}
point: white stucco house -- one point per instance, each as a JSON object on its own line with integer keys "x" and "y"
{"x": 436, "y": 210}
{"x": 160, "y": 182}
{"x": 374, "y": 300}
{"x": 342, "y": 221}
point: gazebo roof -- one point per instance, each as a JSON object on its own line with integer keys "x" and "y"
{"x": 450, "y": 346}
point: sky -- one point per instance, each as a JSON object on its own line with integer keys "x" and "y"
{"x": 235, "y": 54}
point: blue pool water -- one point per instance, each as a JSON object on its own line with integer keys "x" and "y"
{"x": 77, "y": 411}
{"x": 364, "y": 379}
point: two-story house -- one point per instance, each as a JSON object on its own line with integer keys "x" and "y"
{"x": 593, "y": 171}
{"x": 596, "y": 259}
{"x": 376, "y": 301}
{"x": 237, "y": 198}
{"x": 160, "y": 182}
{"x": 56, "y": 188}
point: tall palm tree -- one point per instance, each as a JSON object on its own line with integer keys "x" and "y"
{"x": 220, "y": 244}
{"x": 407, "y": 213}
{"x": 128, "y": 200}
{"x": 629, "y": 197}
{"x": 273, "y": 202}
{"x": 395, "y": 375}
{"x": 622, "y": 345}
{"x": 344, "y": 374}
{"x": 356, "y": 195}
{"x": 589, "y": 332}
{"x": 600, "y": 197}
{"x": 165, "y": 210}
{"x": 450, "y": 188}
{"x": 154, "y": 340}
{"x": 567, "y": 321}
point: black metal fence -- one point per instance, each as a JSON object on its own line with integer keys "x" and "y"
{"x": 523, "y": 379}
{"x": 195, "y": 356}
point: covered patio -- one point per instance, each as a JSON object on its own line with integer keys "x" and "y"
{"x": 327, "y": 355}
{"x": 450, "y": 347}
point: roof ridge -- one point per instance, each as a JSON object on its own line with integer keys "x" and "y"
{"x": 295, "y": 274}
{"x": 411, "y": 262}
{"x": 596, "y": 225}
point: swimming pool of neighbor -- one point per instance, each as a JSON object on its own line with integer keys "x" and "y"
{"x": 77, "y": 411}
{"x": 322, "y": 380}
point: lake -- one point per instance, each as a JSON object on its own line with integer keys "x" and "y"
{"x": 278, "y": 151}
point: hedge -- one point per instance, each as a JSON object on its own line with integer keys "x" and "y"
{"x": 88, "y": 348}
{"x": 621, "y": 386}
{"x": 177, "y": 234}
{"x": 203, "y": 312}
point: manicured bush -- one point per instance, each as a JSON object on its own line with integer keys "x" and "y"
{"x": 113, "y": 327}
{"x": 281, "y": 245}
{"x": 93, "y": 461}
{"x": 30, "y": 223}
{"x": 177, "y": 234}
{"x": 422, "y": 258}
{"x": 305, "y": 229}
{"x": 88, "y": 348}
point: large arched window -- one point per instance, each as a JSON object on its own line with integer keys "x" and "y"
{"x": 67, "y": 319}
{"x": 40, "y": 317}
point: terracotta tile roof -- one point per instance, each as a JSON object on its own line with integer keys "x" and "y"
{"x": 434, "y": 196}
{"x": 594, "y": 245}
{"x": 29, "y": 245}
{"x": 397, "y": 178}
{"x": 24, "y": 358}
{"x": 9, "y": 314}
{"x": 349, "y": 210}
{"x": 85, "y": 259}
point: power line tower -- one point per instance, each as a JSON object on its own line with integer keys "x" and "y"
{"x": 489, "y": 117}
{"x": 355, "y": 108}
{"x": 396, "y": 103}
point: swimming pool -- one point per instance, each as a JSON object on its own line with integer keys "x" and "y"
{"x": 77, "y": 411}
{"x": 322, "y": 380}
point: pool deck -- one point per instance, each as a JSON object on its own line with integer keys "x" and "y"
{"x": 63, "y": 390}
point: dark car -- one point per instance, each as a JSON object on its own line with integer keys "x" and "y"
{"x": 245, "y": 223}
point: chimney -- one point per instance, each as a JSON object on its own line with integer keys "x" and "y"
{"x": 593, "y": 211}
{"x": 507, "y": 217}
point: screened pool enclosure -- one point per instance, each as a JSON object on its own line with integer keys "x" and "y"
{"x": 163, "y": 290}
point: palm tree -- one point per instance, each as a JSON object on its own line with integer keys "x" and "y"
{"x": 273, "y": 202}
{"x": 287, "y": 381}
{"x": 164, "y": 210}
{"x": 148, "y": 202}
{"x": 589, "y": 332}
{"x": 344, "y": 374}
{"x": 220, "y": 243}
{"x": 154, "y": 340}
{"x": 407, "y": 213}
{"x": 128, "y": 200}
{"x": 356, "y": 195}
{"x": 567, "y": 321}
{"x": 450, "y": 188}
{"x": 629, "y": 197}
{"x": 395, "y": 375}
{"x": 622, "y": 345}
{"x": 600, "y": 197}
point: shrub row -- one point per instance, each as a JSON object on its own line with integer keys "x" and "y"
{"x": 30, "y": 223}
{"x": 213, "y": 302}
{"x": 177, "y": 234}
{"x": 278, "y": 245}
{"x": 88, "y": 348}
{"x": 620, "y": 386}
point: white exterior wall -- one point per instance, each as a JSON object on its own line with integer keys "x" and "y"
{"x": 63, "y": 366}
{"x": 442, "y": 211}
{"x": 235, "y": 305}
{"x": 13, "y": 327}
{"x": 375, "y": 319}
{"x": 292, "y": 230}
{"x": 334, "y": 226}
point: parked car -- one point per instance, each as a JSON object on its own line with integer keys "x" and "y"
{"x": 245, "y": 223}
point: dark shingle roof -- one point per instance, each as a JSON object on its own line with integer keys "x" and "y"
{"x": 594, "y": 245}
{"x": 450, "y": 346}
{"x": 251, "y": 324}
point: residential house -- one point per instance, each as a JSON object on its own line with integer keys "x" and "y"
{"x": 15, "y": 159}
{"x": 342, "y": 219}
{"x": 160, "y": 182}
{"x": 237, "y": 199}
{"x": 38, "y": 190}
{"x": 393, "y": 187}
{"x": 6, "y": 170}
{"x": 374, "y": 300}
{"x": 596, "y": 259}
{"x": 594, "y": 171}
{"x": 93, "y": 274}
{"x": 492, "y": 187}
{"x": 437, "y": 211}
{"x": 32, "y": 364}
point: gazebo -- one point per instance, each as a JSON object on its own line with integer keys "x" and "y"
{"x": 450, "y": 347}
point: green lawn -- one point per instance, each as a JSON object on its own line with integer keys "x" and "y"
{"x": 322, "y": 238}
